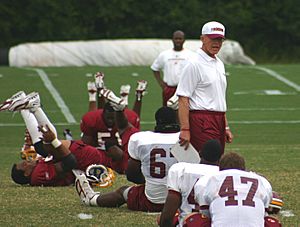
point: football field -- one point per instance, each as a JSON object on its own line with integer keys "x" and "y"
{"x": 263, "y": 112}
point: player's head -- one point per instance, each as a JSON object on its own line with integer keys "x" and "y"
{"x": 213, "y": 35}
{"x": 166, "y": 120}
{"x": 178, "y": 40}
{"x": 211, "y": 152}
{"x": 21, "y": 172}
{"x": 108, "y": 115}
{"x": 232, "y": 160}
{"x": 275, "y": 205}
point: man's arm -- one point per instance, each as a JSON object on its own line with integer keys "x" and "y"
{"x": 59, "y": 151}
{"x": 173, "y": 202}
{"x": 158, "y": 78}
{"x": 90, "y": 140}
{"x": 183, "y": 115}
{"x": 134, "y": 172}
{"x": 228, "y": 133}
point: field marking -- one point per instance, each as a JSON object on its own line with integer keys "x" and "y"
{"x": 153, "y": 123}
{"x": 279, "y": 77}
{"x": 55, "y": 94}
{"x": 264, "y": 109}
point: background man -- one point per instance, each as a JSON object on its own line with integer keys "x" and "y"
{"x": 171, "y": 62}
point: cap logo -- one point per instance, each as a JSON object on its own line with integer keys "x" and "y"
{"x": 217, "y": 29}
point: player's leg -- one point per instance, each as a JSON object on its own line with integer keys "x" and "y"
{"x": 124, "y": 92}
{"x": 91, "y": 198}
{"x": 32, "y": 103}
{"x": 32, "y": 127}
{"x": 92, "y": 90}
{"x": 99, "y": 82}
{"x": 139, "y": 93}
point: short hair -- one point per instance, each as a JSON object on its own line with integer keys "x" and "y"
{"x": 166, "y": 120}
{"x": 18, "y": 176}
{"x": 211, "y": 151}
{"x": 232, "y": 160}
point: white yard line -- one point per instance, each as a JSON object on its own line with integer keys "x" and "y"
{"x": 55, "y": 94}
{"x": 279, "y": 77}
{"x": 153, "y": 122}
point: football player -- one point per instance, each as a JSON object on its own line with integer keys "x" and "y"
{"x": 150, "y": 160}
{"x": 66, "y": 155}
{"x": 181, "y": 180}
{"x": 233, "y": 196}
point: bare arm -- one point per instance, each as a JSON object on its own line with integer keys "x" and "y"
{"x": 173, "y": 202}
{"x": 157, "y": 76}
{"x": 134, "y": 172}
{"x": 59, "y": 150}
{"x": 228, "y": 133}
{"x": 90, "y": 140}
{"x": 183, "y": 115}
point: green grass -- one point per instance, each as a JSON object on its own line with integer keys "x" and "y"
{"x": 266, "y": 130}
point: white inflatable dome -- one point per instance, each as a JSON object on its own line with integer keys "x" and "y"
{"x": 121, "y": 52}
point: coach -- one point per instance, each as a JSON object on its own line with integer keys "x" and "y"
{"x": 202, "y": 93}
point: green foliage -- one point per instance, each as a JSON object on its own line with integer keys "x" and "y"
{"x": 268, "y": 30}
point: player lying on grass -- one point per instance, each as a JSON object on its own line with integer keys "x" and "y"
{"x": 100, "y": 125}
{"x": 150, "y": 160}
{"x": 66, "y": 155}
{"x": 97, "y": 100}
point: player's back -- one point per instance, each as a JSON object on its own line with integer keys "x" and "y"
{"x": 153, "y": 150}
{"x": 182, "y": 178}
{"x": 236, "y": 198}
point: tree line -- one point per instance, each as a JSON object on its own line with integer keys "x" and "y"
{"x": 268, "y": 30}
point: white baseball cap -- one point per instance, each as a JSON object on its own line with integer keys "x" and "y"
{"x": 213, "y": 30}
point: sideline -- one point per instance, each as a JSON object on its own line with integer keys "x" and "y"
{"x": 55, "y": 94}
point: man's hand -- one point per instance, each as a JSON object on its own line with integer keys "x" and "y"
{"x": 228, "y": 136}
{"x": 184, "y": 138}
{"x": 48, "y": 135}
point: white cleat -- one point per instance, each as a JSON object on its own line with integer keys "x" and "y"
{"x": 140, "y": 90}
{"x": 99, "y": 82}
{"x": 85, "y": 192}
{"x": 110, "y": 96}
{"x": 173, "y": 102}
{"x": 125, "y": 90}
{"x": 31, "y": 102}
{"x": 91, "y": 86}
{"x": 8, "y": 102}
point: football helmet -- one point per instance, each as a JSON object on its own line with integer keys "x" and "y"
{"x": 275, "y": 205}
{"x": 28, "y": 153}
{"x": 196, "y": 219}
{"x": 99, "y": 175}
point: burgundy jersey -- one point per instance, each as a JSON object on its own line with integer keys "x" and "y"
{"x": 92, "y": 124}
{"x": 45, "y": 174}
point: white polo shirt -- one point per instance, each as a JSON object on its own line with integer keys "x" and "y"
{"x": 171, "y": 62}
{"x": 203, "y": 80}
